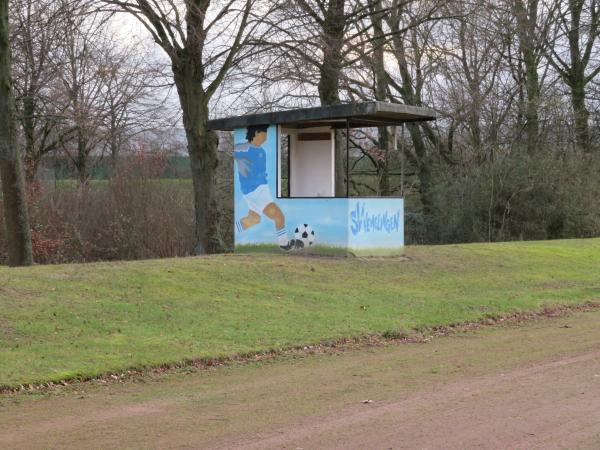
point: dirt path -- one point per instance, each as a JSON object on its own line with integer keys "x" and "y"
{"x": 534, "y": 386}
{"x": 518, "y": 409}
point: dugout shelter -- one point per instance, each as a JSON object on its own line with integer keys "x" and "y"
{"x": 284, "y": 182}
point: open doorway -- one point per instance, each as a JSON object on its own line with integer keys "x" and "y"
{"x": 306, "y": 163}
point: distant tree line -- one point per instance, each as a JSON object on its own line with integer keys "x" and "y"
{"x": 513, "y": 155}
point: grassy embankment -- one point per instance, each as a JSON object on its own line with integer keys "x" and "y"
{"x": 59, "y": 322}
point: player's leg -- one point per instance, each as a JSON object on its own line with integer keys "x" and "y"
{"x": 254, "y": 209}
{"x": 273, "y": 212}
{"x": 253, "y": 218}
{"x": 261, "y": 200}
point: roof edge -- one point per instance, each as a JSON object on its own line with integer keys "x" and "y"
{"x": 350, "y": 111}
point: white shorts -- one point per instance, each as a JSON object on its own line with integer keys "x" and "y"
{"x": 259, "y": 198}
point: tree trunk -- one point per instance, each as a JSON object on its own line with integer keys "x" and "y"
{"x": 424, "y": 170}
{"x": 329, "y": 81}
{"x": 339, "y": 163}
{"x": 581, "y": 116}
{"x": 32, "y": 165}
{"x": 81, "y": 163}
{"x": 410, "y": 92}
{"x": 383, "y": 162}
{"x": 114, "y": 144}
{"x": 381, "y": 94}
{"x": 16, "y": 218}
{"x": 532, "y": 127}
{"x": 576, "y": 78}
{"x": 526, "y": 29}
{"x": 31, "y": 155}
{"x": 202, "y": 149}
{"x": 114, "y": 156}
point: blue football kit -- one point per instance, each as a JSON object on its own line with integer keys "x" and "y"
{"x": 252, "y": 167}
{"x": 252, "y": 171}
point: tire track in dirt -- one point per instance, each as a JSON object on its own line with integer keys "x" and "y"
{"x": 548, "y": 405}
{"x": 11, "y": 437}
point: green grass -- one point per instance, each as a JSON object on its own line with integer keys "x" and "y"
{"x": 376, "y": 251}
{"x": 58, "y": 322}
{"x": 319, "y": 250}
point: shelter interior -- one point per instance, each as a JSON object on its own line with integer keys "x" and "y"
{"x": 307, "y": 140}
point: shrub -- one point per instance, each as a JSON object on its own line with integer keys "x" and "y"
{"x": 516, "y": 198}
{"x": 133, "y": 215}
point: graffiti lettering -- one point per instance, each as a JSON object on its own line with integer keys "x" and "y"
{"x": 366, "y": 222}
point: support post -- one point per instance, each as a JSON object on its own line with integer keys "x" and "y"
{"x": 289, "y": 160}
{"x": 402, "y": 162}
{"x": 347, "y": 158}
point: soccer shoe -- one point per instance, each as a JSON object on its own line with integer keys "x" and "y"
{"x": 291, "y": 245}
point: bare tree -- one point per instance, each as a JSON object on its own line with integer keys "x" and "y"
{"x": 82, "y": 74}
{"x": 16, "y": 216}
{"x": 36, "y": 33}
{"x": 316, "y": 45}
{"x": 134, "y": 88}
{"x": 573, "y": 52}
{"x": 63, "y": 45}
{"x": 320, "y": 44}
{"x": 531, "y": 27}
{"x": 204, "y": 41}
{"x": 381, "y": 91}
{"x": 333, "y": 23}
{"x": 413, "y": 30}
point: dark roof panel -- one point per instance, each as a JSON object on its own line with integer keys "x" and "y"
{"x": 368, "y": 114}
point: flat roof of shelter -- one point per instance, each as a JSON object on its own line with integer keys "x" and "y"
{"x": 355, "y": 115}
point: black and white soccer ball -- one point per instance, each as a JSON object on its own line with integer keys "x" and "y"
{"x": 304, "y": 234}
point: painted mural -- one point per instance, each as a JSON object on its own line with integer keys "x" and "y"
{"x": 254, "y": 154}
{"x": 263, "y": 222}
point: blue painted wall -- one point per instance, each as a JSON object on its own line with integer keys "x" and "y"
{"x": 376, "y": 225}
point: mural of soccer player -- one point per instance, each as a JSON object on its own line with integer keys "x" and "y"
{"x": 251, "y": 160}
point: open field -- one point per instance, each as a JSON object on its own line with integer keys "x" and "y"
{"x": 60, "y": 322}
{"x": 71, "y": 185}
{"x": 534, "y": 386}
